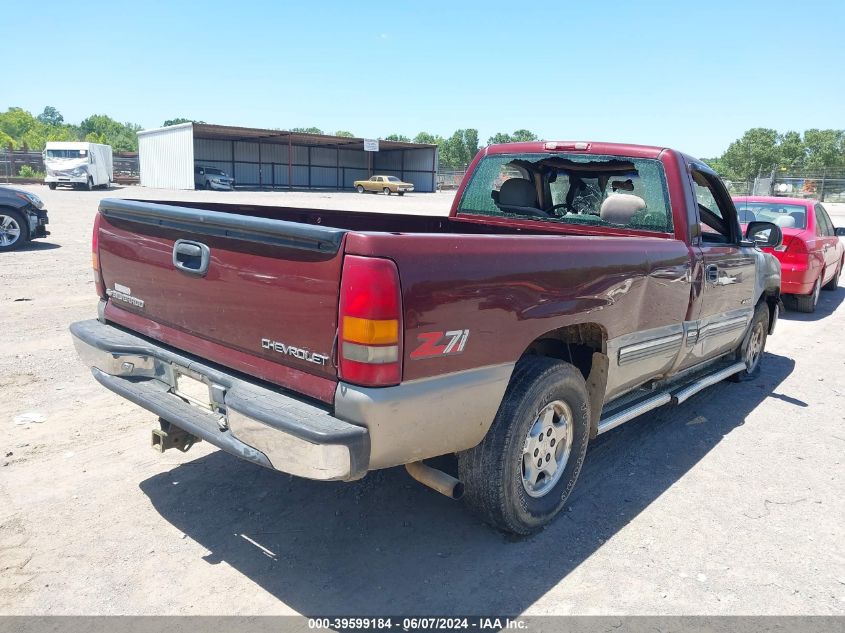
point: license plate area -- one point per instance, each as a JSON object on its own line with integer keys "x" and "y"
{"x": 194, "y": 390}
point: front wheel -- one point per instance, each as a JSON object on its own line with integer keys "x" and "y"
{"x": 360, "y": 188}
{"x": 90, "y": 184}
{"x": 808, "y": 303}
{"x": 519, "y": 477}
{"x": 52, "y": 185}
{"x": 14, "y": 231}
{"x": 753, "y": 345}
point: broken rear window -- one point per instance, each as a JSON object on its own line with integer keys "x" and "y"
{"x": 571, "y": 188}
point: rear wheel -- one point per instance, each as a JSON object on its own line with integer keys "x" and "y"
{"x": 519, "y": 477}
{"x": 753, "y": 345}
{"x": 13, "y": 230}
{"x": 360, "y": 188}
{"x": 808, "y": 303}
{"x": 386, "y": 191}
{"x": 833, "y": 284}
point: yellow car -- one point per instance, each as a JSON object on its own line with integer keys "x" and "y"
{"x": 386, "y": 184}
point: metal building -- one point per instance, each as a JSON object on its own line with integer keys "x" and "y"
{"x": 276, "y": 159}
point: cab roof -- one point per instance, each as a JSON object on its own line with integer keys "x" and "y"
{"x": 577, "y": 147}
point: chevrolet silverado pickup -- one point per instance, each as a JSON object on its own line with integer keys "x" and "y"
{"x": 573, "y": 287}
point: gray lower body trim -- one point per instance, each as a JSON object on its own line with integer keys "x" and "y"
{"x": 427, "y": 417}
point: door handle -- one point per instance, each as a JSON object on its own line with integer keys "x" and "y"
{"x": 712, "y": 272}
{"x": 191, "y": 257}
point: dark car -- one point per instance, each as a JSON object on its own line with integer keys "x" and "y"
{"x": 22, "y": 218}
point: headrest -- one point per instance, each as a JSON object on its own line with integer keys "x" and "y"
{"x": 619, "y": 208}
{"x": 517, "y": 192}
{"x": 785, "y": 221}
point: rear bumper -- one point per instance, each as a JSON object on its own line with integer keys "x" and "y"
{"x": 247, "y": 419}
{"x": 797, "y": 279}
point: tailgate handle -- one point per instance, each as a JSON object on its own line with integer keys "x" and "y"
{"x": 192, "y": 257}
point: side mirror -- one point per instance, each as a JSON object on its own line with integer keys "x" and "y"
{"x": 839, "y": 231}
{"x": 764, "y": 234}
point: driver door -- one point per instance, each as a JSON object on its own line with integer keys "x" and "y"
{"x": 728, "y": 270}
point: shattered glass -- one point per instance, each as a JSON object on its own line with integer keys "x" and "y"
{"x": 573, "y": 189}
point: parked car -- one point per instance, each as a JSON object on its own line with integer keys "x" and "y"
{"x": 385, "y": 184}
{"x": 812, "y": 256}
{"x": 22, "y": 218}
{"x": 212, "y": 178}
{"x": 543, "y": 311}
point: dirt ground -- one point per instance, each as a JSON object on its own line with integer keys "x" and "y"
{"x": 732, "y": 503}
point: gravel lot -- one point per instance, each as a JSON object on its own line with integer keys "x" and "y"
{"x": 732, "y": 503}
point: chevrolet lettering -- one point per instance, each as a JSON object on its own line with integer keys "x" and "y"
{"x": 296, "y": 352}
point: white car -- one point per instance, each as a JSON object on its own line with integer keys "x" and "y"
{"x": 212, "y": 178}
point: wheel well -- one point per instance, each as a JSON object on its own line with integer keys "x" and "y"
{"x": 575, "y": 344}
{"x": 585, "y": 346}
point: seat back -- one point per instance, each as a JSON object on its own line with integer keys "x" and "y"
{"x": 517, "y": 195}
{"x": 620, "y": 208}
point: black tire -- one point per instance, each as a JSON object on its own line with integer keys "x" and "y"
{"x": 386, "y": 191}
{"x": 360, "y": 188}
{"x": 208, "y": 185}
{"x": 833, "y": 284}
{"x": 90, "y": 184}
{"x": 12, "y": 220}
{"x": 808, "y": 303}
{"x": 401, "y": 193}
{"x": 753, "y": 345}
{"x": 52, "y": 185}
{"x": 493, "y": 472}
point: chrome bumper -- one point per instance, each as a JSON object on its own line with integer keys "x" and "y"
{"x": 244, "y": 418}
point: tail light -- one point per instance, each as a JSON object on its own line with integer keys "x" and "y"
{"x": 95, "y": 258}
{"x": 793, "y": 245}
{"x": 370, "y": 322}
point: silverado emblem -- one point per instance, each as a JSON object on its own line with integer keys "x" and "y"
{"x": 296, "y": 352}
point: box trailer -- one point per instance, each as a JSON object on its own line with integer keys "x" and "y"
{"x": 79, "y": 164}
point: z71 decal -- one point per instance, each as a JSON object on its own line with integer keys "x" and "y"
{"x": 440, "y": 344}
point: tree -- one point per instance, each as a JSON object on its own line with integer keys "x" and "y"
{"x": 792, "y": 151}
{"x": 344, "y": 134}
{"x": 123, "y": 137}
{"x": 428, "y": 139}
{"x": 458, "y": 150}
{"x": 306, "y": 130}
{"x": 401, "y": 138}
{"x": 825, "y": 148}
{"x": 51, "y": 116}
{"x": 177, "y": 121}
{"x": 755, "y": 153}
{"x": 519, "y": 136}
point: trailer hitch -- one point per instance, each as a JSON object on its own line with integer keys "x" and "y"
{"x": 171, "y": 436}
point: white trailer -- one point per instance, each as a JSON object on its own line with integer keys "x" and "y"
{"x": 79, "y": 164}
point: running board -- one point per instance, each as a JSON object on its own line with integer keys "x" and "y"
{"x": 633, "y": 412}
{"x": 684, "y": 394}
{"x": 665, "y": 397}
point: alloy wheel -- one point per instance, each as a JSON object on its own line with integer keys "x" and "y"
{"x": 546, "y": 448}
{"x": 10, "y": 230}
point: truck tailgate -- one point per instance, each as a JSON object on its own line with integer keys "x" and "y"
{"x": 262, "y": 287}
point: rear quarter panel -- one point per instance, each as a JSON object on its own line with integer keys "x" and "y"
{"x": 510, "y": 290}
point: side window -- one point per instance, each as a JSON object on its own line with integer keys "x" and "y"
{"x": 824, "y": 226}
{"x": 715, "y": 214}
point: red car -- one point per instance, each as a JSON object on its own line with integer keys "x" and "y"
{"x": 811, "y": 256}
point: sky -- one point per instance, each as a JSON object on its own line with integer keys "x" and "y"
{"x": 689, "y": 75}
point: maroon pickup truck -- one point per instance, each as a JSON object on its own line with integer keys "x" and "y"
{"x": 573, "y": 287}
